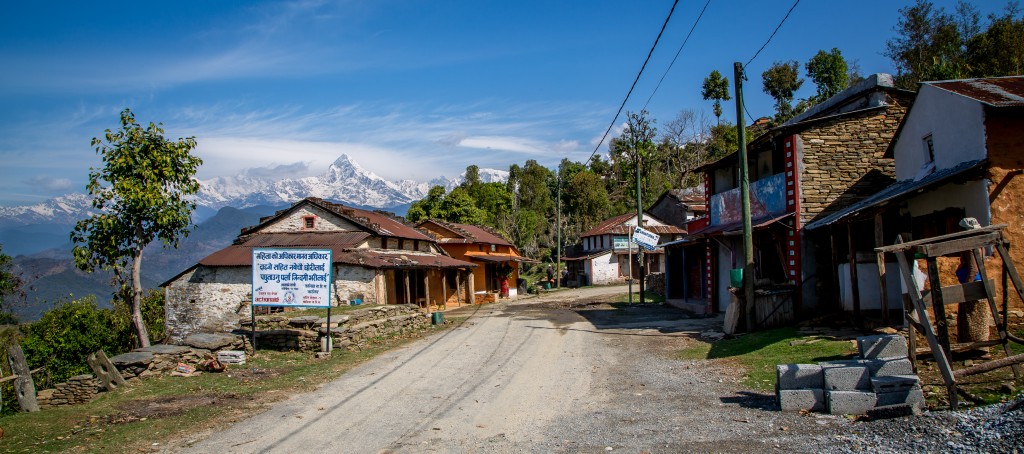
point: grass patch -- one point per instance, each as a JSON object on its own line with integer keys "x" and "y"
{"x": 649, "y": 298}
{"x": 148, "y": 414}
{"x": 760, "y": 352}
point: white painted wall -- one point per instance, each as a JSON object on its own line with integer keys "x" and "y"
{"x": 870, "y": 292}
{"x": 971, "y": 196}
{"x": 603, "y": 269}
{"x": 957, "y": 126}
{"x": 207, "y": 299}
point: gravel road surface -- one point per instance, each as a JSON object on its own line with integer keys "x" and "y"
{"x": 565, "y": 372}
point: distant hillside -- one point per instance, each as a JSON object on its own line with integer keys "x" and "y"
{"x": 51, "y": 275}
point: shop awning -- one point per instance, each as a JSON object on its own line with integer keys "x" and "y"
{"x": 737, "y": 227}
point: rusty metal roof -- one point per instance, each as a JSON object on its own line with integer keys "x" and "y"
{"x": 378, "y": 222}
{"x": 617, "y": 225}
{"x": 466, "y": 233}
{"x": 241, "y": 255}
{"x": 993, "y": 91}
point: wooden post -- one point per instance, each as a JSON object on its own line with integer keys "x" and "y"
{"x": 835, "y": 267}
{"x": 444, "y": 288}
{"x": 426, "y": 289}
{"x": 854, "y": 284}
{"x": 939, "y": 307}
{"x": 880, "y": 259}
{"x": 470, "y": 290}
{"x": 980, "y": 262}
{"x": 23, "y": 385}
{"x": 408, "y": 290}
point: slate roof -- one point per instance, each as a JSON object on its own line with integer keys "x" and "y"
{"x": 616, "y": 225}
{"x": 377, "y": 222}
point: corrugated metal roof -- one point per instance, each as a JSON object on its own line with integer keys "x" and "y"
{"x": 381, "y": 223}
{"x": 607, "y": 224}
{"x": 467, "y": 232}
{"x": 895, "y": 191}
{"x": 617, "y": 225}
{"x": 993, "y": 91}
{"x": 241, "y": 255}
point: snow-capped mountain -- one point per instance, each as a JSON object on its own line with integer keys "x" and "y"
{"x": 66, "y": 209}
{"x": 345, "y": 181}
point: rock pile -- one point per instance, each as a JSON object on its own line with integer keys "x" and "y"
{"x": 155, "y": 360}
{"x": 879, "y": 383}
{"x": 77, "y": 390}
{"x": 306, "y": 333}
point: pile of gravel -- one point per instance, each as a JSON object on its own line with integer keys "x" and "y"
{"x": 995, "y": 428}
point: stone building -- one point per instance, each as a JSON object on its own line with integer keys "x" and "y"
{"x": 957, "y": 154}
{"x": 497, "y": 257}
{"x": 377, "y": 259}
{"x": 817, "y": 163}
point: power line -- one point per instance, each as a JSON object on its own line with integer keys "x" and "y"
{"x": 637, "y": 79}
{"x": 773, "y": 33}
{"x": 656, "y": 87}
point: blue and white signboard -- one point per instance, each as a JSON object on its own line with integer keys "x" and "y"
{"x": 291, "y": 277}
{"x": 645, "y": 238}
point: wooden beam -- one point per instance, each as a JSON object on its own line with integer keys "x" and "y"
{"x": 854, "y": 282}
{"x": 991, "y": 365}
{"x": 941, "y": 248}
{"x": 979, "y": 262}
{"x": 12, "y": 377}
{"x": 959, "y": 293}
{"x": 880, "y": 261}
{"x": 961, "y": 234}
{"x": 938, "y": 306}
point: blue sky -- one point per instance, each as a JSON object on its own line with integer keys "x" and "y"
{"x": 410, "y": 89}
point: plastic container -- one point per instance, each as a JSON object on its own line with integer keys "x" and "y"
{"x": 437, "y": 318}
{"x": 736, "y": 277}
{"x": 357, "y": 302}
{"x": 547, "y": 285}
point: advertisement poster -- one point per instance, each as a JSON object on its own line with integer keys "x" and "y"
{"x": 291, "y": 277}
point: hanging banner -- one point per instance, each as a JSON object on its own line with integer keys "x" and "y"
{"x": 291, "y": 277}
{"x": 646, "y": 238}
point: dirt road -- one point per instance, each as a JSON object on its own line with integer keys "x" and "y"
{"x": 562, "y": 373}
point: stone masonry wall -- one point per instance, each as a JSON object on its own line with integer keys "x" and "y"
{"x": 351, "y": 330}
{"x": 77, "y": 390}
{"x": 325, "y": 222}
{"x": 207, "y": 299}
{"x": 843, "y": 158}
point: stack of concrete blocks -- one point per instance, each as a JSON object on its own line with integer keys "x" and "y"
{"x": 881, "y": 382}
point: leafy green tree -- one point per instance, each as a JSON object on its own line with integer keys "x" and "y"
{"x": 67, "y": 334}
{"x": 495, "y": 200}
{"x": 459, "y": 206}
{"x": 428, "y": 207}
{"x": 10, "y": 289}
{"x": 929, "y": 45}
{"x": 781, "y": 81}
{"x": 829, "y": 72}
{"x": 716, "y": 88}
{"x": 999, "y": 50}
{"x": 142, "y": 193}
{"x": 638, "y": 148}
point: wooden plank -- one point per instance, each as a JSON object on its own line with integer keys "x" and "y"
{"x": 24, "y": 387}
{"x": 938, "y": 306}
{"x": 941, "y": 248}
{"x": 962, "y": 234}
{"x": 979, "y": 261}
{"x": 922, "y": 315}
{"x": 854, "y": 282}
{"x": 14, "y": 377}
{"x": 1011, "y": 270}
{"x": 959, "y": 293}
{"x": 880, "y": 263}
{"x": 108, "y": 374}
{"x": 991, "y": 365}
{"x": 962, "y": 347}
{"x": 910, "y": 321}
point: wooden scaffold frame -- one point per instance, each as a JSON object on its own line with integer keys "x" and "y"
{"x": 916, "y": 313}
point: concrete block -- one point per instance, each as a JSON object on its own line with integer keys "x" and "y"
{"x": 913, "y": 397}
{"x": 882, "y": 346}
{"x": 889, "y": 367}
{"x": 802, "y": 399}
{"x": 842, "y": 363}
{"x": 853, "y": 378}
{"x": 799, "y": 376}
{"x": 893, "y": 383}
{"x": 850, "y": 402}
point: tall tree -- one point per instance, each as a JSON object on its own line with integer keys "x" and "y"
{"x": 716, "y": 88}
{"x": 929, "y": 44}
{"x": 999, "y": 50}
{"x": 459, "y": 206}
{"x": 829, "y": 72}
{"x": 428, "y": 207}
{"x": 781, "y": 81}
{"x": 142, "y": 193}
{"x": 10, "y": 288}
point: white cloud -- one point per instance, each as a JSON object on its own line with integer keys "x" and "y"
{"x": 49, "y": 183}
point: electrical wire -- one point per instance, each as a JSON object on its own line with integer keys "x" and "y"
{"x": 773, "y": 33}
{"x": 656, "y": 87}
{"x": 637, "y": 79}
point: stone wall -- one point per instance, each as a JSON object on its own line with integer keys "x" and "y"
{"x": 77, "y": 390}
{"x": 325, "y": 222}
{"x": 843, "y": 158}
{"x": 207, "y": 299}
{"x": 162, "y": 359}
{"x": 354, "y": 328}
{"x": 655, "y": 283}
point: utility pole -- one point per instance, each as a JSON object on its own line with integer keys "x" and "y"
{"x": 639, "y": 221}
{"x": 748, "y": 236}
{"x": 558, "y": 229}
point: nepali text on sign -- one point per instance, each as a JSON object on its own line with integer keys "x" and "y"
{"x": 291, "y": 277}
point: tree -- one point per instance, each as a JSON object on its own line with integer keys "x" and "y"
{"x": 10, "y": 288}
{"x": 458, "y": 206}
{"x": 716, "y": 88}
{"x": 781, "y": 81}
{"x": 998, "y": 51}
{"x": 142, "y": 193}
{"x": 829, "y": 72}
{"x": 428, "y": 207}
{"x": 929, "y": 44}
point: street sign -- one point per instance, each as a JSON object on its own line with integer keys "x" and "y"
{"x": 291, "y": 277}
{"x": 645, "y": 238}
